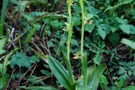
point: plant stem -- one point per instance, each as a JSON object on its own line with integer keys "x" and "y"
{"x": 83, "y": 59}
{"x": 82, "y": 28}
{"x": 3, "y": 14}
{"x": 70, "y": 29}
{"x": 68, "y": 64}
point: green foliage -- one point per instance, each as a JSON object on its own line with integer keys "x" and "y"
{"x": 94, "y": 74}
{"x": 34, "y": 80}
{"x": 60, "y": 73}
{"x": 129, "y": 88}
{"x": 62, "y": 76}
{"x": 37, "y": 88}
{"x": 3, "y": 15}
{"x": 114, "y": 38}
{"x": 99, "y": 48}
{"x": 3, "y": 70}
{"x": 103, "y": 82}
{"x": 31, "y": 33}
{"x": 54, "y": 28}
{"x": 128, "y": 43}
{"x": 2, "y": 43}
{"x": 21, "y": 60}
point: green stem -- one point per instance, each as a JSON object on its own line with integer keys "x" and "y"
{"x": 82, "y": 29}
{"x": 70, "y": 29}
{"x": 68, "y": 64}
{"x": 83, "y": 60}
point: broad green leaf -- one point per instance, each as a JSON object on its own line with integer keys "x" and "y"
{"x": 97, "y": 59}
{"x": 79, "y": 84}
{"x": 114, "y": 28}
{"x": 89, "y": 27}
{"x": 125, "y": 28}
{"x": 101, "y": 32}
{"x": 3, "y": 81}
{"x": 74, "y": 42}
{"x": 129, "y": 88}
{"x": 55, "y": 23}
{"x": 84, "y": 88}
{"x": 77, "y": 8}
{"x": 93, "y": 10}
{"x": 128, "y": 43}
{"x": 37, "y": 88}
{"x": 132, "y": 27}
{"x": 60, "y": 73}
{"x": 93, "y": 75}
{"x": 90, "y": 15}
{"x": 103, "y": 81}
{"x": 121, "y": 82}
{"x": 76, "y": 20}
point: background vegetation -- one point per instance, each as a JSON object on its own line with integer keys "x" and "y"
{"x": 67, "y": 44}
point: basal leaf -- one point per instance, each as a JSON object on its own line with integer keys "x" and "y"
{"x": 37, "y": 88}
{"x": 60, "y": 72}
{"x": 103, "y": 81}
{"x": 3, "y": 81}
{"x": 93, "y": 75}
{"x": 84, "y": 88}
{"x": 129, "y": 88}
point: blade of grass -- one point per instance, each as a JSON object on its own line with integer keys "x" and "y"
{"x": 31, "y": 33}
{"x": 3, "y": 14}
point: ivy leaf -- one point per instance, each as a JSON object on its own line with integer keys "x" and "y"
{"x": 101, "y": 32}
{"x": 21, "y": 60}
{"x": 125, "y": 28}
{"x": 89, "y": 27}
{"x": 55, "y": 24}
{"x": 76, "y": 20}
{"x": 74, "y": 42}
{"x": 77, "y": 8}
{"x": 97, "y": 59}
